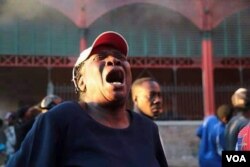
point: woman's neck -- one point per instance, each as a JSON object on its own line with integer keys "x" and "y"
{"x": 111, "y": 116}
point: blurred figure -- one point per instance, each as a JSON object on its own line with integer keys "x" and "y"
{"x": 2, "y": 143}
{"x": 9, "y": 131}
{"x": 204, "y": 132}
{"x": 147, "y": 97}
{"x": 2, "y": 136}
{"x": 25, "y": 121}
{"x": 49, "y": 101}
{"x": 243, "y": 141}
{"x": 28, "y": 117}
{"x": 217, "y": 137}
{"x": 241, "y": 104}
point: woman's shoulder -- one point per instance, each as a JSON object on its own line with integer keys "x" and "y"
{"x": 66, "y": 106}
{"x": 142, "y": 120}
{"x": 64, "y": 111}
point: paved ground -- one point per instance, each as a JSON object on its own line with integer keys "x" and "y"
{"x": 180, "y": 142}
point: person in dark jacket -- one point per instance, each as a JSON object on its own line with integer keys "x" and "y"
{"x": 241, "y": 104}
{"x": 97, "y": 131}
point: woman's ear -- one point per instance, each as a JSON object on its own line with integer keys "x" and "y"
{"x": 135, "y": 99}
{"x": 81, "y": 84}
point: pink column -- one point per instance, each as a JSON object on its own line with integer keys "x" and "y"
{"x": 82, "y": 43}
{"x": 207, "y": 60}
{"x": 207, "y": 75}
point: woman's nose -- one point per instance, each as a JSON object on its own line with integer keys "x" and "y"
{"x": 112, "y": 61}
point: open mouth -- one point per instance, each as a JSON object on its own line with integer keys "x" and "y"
{"x": 115, "y": 77}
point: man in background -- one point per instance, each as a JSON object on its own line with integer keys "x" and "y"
{"x": 204, "y": 132}
{"x": 217, "y": 137}
{"x": 241, "y": 104}
{"x": 147, "y": 97}
{"x": 49, "y": 101}
{"x": 211, "y": 134}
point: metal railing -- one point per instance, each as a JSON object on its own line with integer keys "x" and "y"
{"x": 180, "y": 102}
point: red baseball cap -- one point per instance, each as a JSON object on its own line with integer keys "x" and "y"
{"x": 106, "y": 38}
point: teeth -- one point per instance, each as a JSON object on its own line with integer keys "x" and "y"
{"x": 116, "y": 83}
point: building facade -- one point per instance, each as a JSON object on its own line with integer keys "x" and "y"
{"x": 197, "y": 49}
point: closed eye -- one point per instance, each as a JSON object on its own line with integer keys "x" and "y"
{"x": 104, "y": 53}
{"x": 99, "y": 57}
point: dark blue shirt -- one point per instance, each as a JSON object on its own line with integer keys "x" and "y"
{"x": 68, "y": 136}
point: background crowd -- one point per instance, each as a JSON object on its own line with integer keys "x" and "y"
{"x": 227, "y": 130}
{"x": 15, "y": 125}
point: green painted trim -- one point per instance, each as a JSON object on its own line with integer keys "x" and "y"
{"x": 17, "y": 37}
{"x": 239, "y": 35}
{"x": 130, "y": 41}
{"x": 160, "y": 48}
{"x": 188, "y": 45}
{"x": 207, "y": 35}
{"x": 33, "y": 39}
{"x": 145, "y": 43}
{"x": 225, "y": 39}
{"x": 174, "y": 44}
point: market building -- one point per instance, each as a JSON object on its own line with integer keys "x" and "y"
{"x": 197, "y": 49}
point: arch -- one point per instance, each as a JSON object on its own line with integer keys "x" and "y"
{"x": 45, "y": 33}
{"x": 231, "y": 38}
{"x": 176, "y": 6}
{"x": 159, "y": 32}
{"x": 84, "y": 13}
{"x": 225, "y": 8}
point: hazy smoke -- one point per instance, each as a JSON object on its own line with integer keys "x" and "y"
{"x": 10, "y": 10}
